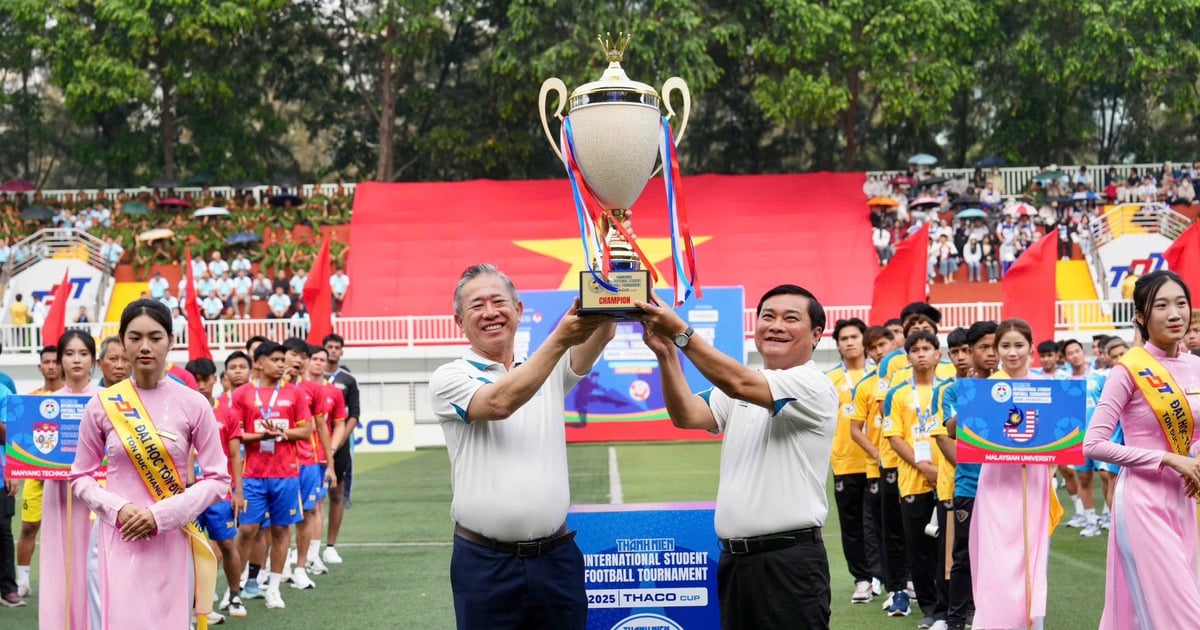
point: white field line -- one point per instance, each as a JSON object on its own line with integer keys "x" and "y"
{"x": 615, "y": 494}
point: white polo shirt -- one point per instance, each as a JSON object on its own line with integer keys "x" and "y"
{"x": 509, "y": 477}
{"x": 774, "y": 465}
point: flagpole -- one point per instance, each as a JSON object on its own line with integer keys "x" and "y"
{"x": 1025, "y": 536}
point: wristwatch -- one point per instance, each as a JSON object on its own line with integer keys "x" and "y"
{"x": 682, "y": 339}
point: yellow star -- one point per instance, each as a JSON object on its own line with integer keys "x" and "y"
{"x": 570, "y": 250}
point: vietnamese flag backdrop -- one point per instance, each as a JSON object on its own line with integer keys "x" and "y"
{"x": 1030, "y": 288}
{"x": 410, "y": 242}
{"x": 1183, "y": 257}
{"x": 56, "y": 318}
{"x": 197, "y": 336}
{"x": 318, "y": 297}
{"x": 904, "y": 279}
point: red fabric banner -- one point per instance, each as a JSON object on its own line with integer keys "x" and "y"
{"x": 1030, "y": 288}
{"x": 56, "y": 319}
{"x": 318, "y": 296}
{"x": 1183, "y": 257}
{"x": 197, "y": 337}
{"x": 904, "y": 279}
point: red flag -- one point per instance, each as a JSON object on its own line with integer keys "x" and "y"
{"x": 1030, "y": 288}
{"x": 197, "y": 337}
{"x": 903, "y": 280}
{"x": 318, "y": 297}
{"x": 56, "y": 320}
{"x": 1183, "y": 257}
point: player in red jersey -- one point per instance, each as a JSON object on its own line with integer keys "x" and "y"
{"x": 335, "y": 419}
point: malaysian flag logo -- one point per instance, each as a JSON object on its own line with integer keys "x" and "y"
{"x": 1020, "y": 426}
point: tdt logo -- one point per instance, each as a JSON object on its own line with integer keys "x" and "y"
{"x": 1141, "y": 266}
{"x": 76, "y": 293}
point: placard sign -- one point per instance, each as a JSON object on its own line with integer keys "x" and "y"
{"x": 43, "y": 434}
{"x": 1023, "y": 421}
{"x": 649, "y": 565}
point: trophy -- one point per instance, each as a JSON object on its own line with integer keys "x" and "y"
{"x": 609, "y": 143}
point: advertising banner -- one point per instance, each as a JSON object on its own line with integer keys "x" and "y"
{"x": 1024, "y": 421}
{"x": 622, "y": 397}
{"x": 649, "y": 566}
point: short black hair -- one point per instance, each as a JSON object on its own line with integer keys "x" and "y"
{"x": 1068, "y": 342}
{"x": 1047, "y": 346}
{"x": 266, "y": 349}
{"x": 816, "y": 312}
{"x": 921, "y": 308}
{"x": 201, "y": 368}
{"x": 893, "y": 322}
{"x": 874, "y": 334}
{"x": 314, "y": 348}
{"x": 979, "y": 330}
{"x": 333, "y": 337}
{"x": 237, "y": 354}
{"x": 921, "y": 335}
{"x": 853, "y": 322}
{"x": 956, "y": 338}
{"x": 297, "y": 345}
{"x": 52, "y": 349}
{"x": 1102, "y": 338}
{"x": 253, "y": 340}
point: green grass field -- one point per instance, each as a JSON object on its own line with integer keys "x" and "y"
{"x": 396, "y": 545}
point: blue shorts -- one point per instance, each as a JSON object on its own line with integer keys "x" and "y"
{"x": 311, "y": 480}
{"x": 277, "y": 498}
{"x": 1089, "y": 465}
{"x": 322, "y": 489}
{"x": 217, "y": 521}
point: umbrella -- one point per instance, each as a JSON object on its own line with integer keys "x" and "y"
{"x": 1058, "y": 199}
{"x": 971, "y": 213}
{"x": 135, "y": 208}
{"x": 173, "y": 202}
{"x": 17, "y": 186}
{"x": 904, "y": 180}
{"x": 286, "y": 182}
{"x": 1049, "y": 176}
{"x": 883, "y": 201}
{"x": 933, "y": 181}
{"x": 922, "y": 159}
{"x": 1021, "y": 209}
{"x": 37, "y": 212}
{"x": 165, "y": 182}
{"x": 155, "y": 234}
{"x": 280, "y": 201}
{"x": 203, "y": 178}
{"x": 989, "y": 162}
{"x": 211, "y": 211}
{"x": 246, "y": 185}
{"x": 1086, "y": 195}
{"x": 924, "y": 201}
{"x": 965, "y": 200}
{"x": 244, "y": 238}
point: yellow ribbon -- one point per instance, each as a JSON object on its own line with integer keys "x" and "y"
{"x": 1164, "y": 396}
{"x": 157, "y": 470}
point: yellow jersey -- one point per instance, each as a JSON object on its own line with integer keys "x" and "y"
{"x": 912, "y": 415}
{"x": 847, "y": 458}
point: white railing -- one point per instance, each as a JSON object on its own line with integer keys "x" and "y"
{"x": 440, "y": 330}
{"x": 194, "y": 192}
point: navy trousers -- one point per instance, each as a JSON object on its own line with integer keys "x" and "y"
{"x": 499, "y": 591}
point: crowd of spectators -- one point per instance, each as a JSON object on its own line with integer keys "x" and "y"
{"x": 973, "y": 223}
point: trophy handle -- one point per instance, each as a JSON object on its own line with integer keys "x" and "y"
{"x": 675, "y": 83}
{"x": 553, "y": 84}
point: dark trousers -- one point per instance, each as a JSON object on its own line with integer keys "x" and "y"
{"x": 848, "y": 492}
{"x": 8, "y": 557}
{"x": 873, "y": 529}
{"x": 895, "y": 558}
{"x": 787, "y": 588}
{"x": 917, "y": 510}
{"x": 962, "y": 600}
{"x": 498, "y": 590}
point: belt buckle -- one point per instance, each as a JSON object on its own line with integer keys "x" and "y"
{"x": 739, "y": 546}
{"x": 530, "y": 549}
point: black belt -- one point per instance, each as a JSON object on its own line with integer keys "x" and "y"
{"x": 526, "y": 549}
{"x": 770, "y": 542}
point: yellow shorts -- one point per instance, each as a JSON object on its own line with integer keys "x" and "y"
{"x": 31, "y": 501}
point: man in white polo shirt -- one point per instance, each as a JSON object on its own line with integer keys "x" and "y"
{"x": 514, "y": 564}
{"x": 779, "y": 424}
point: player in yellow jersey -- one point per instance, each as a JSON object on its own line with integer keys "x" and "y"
{"x": 31, "y": 491}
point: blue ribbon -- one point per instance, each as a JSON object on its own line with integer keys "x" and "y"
{"x": 683, "y": 285}
{"x": 586, "y": 227}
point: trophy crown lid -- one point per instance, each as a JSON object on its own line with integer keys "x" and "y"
{"x": 614, "y": 49}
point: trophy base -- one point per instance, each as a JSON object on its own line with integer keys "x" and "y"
{"x": 632, "y": 286}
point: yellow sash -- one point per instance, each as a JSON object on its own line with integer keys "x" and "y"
{"x": 158, "y": 472}
{"x": 1164, "y": 396}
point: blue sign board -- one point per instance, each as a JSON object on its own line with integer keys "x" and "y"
{"x": 1022, "y": 421}
{"x": 43, "y": 434}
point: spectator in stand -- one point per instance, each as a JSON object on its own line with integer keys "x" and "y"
{"x": 198, "y": 265}
{"x": 1112, "y": 190}
{"x": 300, "y": 320}
{"x": 111, "y": 252}
{"x": 296, "y": 285}
{"x": 170, "y": 301}
{"x": 1082, "y": 178}
{"x": 947, "y": 259}
{"x": 224, "y": 288}
{"x": 158, "y": 286}
{"x": 262, "y": 288}
{"x": 242, "y": 284}
{"x": 1134, "y": 180}
{"x": 1111, "y": 177}
{"x": 1008, "y": 255}
{"x": 1064, "y": 229}
{"x": 39, "y": 311}
{"x": 1184, "y": 190}
{"x": 205, "y": 284}
{"x": 881, "y": 238}
{"x": 1147, "y": 192}
{"x": 281, "y": 281}
{"x": 217, "y": 265}
{"x": 19, "y": 254}
{"x": 212, "y": 306}
{"x": 340, "y": 283}
{"x": 240, "y": 263}
{"x": 179, "y": 325}
{"x": 1006, "y": 230}
{"x": 82, "y": 317}
{"x": 278, "y": 304}
{"x": 973, "y": 256}
{"x": 5, "y": 252}
{"x": 989, "y": 197}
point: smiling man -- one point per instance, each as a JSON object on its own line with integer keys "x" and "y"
{"x": 515, "y": 564}
{"x": 778, "y": 426}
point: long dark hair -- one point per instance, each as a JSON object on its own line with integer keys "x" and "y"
{"x": 1145, "y": 291}
{"x": 151, "y": 308}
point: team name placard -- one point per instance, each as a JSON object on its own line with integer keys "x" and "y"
{"x": 1023, "y": 421}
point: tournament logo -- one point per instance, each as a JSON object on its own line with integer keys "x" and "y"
{"x": 873, "y": 487}
{"x": 839, "y": 486}
{"x": 45, "y": 436}
{"x": 910, "y": 498}
{"x": 639, "y": 390}
{"x": 891, "y": 477}
{"x": 1001, "y": 392}
{"x": 962, "y": 515}
{"x": 1013, "y": 429}
{"x": 48, "y": 408}
{"x": 646, "y": 621}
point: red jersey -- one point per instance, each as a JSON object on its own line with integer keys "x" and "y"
{"x": 251, "y": 406}
{"x": 228, "y": 422}
{"x": 313, "y": 396}
{"x": 335, "y": 411}
{"x": 182, "y": 376}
